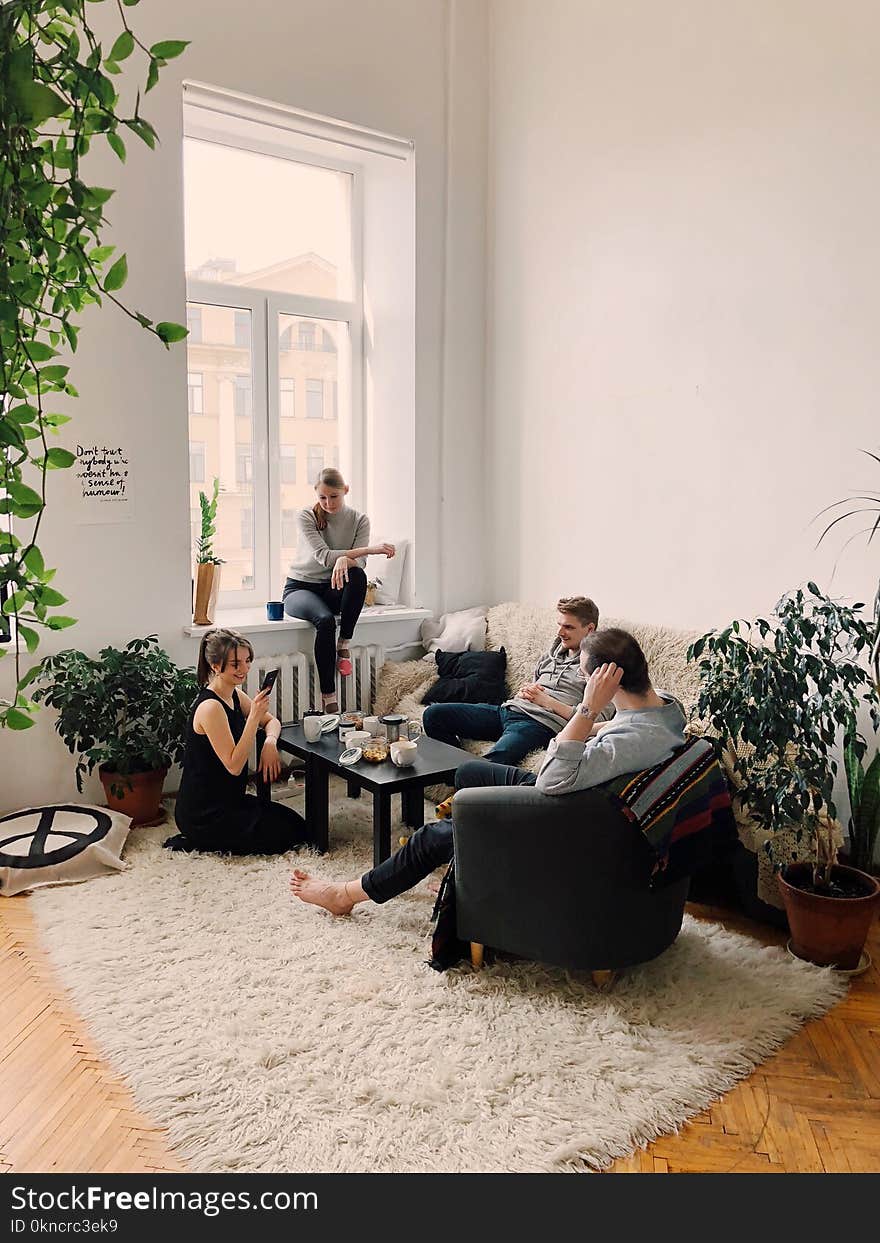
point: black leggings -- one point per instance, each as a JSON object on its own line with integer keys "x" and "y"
{"x": 319, "y": 603}
{"x": 431, "y": 845}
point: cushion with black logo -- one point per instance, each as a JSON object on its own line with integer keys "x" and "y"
{"x": 469, "y": 678}
{"x": 60, "y": 843}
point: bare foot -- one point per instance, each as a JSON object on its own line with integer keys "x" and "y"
{"x": 330, "y": 895}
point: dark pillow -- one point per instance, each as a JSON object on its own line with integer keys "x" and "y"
{"x": 469, "y": 678}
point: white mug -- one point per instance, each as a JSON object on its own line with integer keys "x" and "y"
{"x": 311, "y": 724}
{"x": 403, "y": 752}
{"x": 372, "y": 725}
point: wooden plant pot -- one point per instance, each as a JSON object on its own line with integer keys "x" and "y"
{"x": 141, "y": 796}
{"x": 207, "y": 587}
{"x": 830, "y": 932}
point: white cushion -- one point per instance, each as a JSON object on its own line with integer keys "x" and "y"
{"x": 387, "y": 573}
{"x": 464, "y": 631}
{"x": 59, "y": 843}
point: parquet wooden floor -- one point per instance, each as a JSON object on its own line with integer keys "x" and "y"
{"x": 813, "y": 1107}
{"x": 62, "y": 1109}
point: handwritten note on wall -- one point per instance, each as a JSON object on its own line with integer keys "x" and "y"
{"x": 103, "y": 476}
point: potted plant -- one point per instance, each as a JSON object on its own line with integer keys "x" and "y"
{"x": 124, "y": 713}
{"x": 373, "y": 585}
{"x": 208, "y": 565}
{"x": 780, "y": 693}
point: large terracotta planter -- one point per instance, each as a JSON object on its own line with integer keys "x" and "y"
{"x": 141, "y": 796}
{"x": 830, "y": 932}
{"x": 207, "y": 587}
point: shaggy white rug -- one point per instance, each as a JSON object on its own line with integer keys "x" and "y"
{"x": 268, "y": 1036}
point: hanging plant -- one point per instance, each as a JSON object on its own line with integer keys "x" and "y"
{"x": 57, "y": 96}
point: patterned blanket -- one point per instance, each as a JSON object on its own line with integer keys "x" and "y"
{"x": 682, "y": 808}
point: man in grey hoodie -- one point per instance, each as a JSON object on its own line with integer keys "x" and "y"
{"x": 539, "y": 709}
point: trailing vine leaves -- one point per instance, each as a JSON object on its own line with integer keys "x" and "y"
{"x": 57, "y": 98}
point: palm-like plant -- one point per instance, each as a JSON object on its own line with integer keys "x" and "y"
{"x": 853, "y": 510}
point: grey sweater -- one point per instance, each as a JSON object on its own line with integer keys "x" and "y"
{"x": 317, "y": 551}
{"x": 637, "y": 738}
{"x": 559, "y": 674}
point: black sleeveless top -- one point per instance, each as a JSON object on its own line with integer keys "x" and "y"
{"x": 211, "y": 798}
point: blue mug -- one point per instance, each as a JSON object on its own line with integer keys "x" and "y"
{"x": 275, "y": 610}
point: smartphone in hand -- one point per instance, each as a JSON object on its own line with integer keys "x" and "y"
{"x": 269, "y": 680}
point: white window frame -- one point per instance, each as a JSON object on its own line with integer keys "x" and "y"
{"x": 266, "y": 306}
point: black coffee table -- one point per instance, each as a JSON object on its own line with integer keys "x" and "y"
{"x": 435, "y": 762}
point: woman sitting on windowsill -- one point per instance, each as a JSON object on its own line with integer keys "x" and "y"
{"x": 328, "y": 577}
{"x": 213, "y": 810}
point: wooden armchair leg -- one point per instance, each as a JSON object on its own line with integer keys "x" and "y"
{"x": 476, "y": 955}
{"x": 603, "y": 980}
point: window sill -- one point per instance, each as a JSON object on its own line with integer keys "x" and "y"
{"x": 253, "y": 621}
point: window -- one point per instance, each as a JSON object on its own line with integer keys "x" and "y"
{"x": 288, "y": 463}
{"x": 195, "y": 392}
{"x": 243, "y": 397}
{"x": 314, "y": 399}
{"x": 288, "y": 528}
{"x": 197, "y": 461}
{"x": 247, "y": 527}
{"x": 315, "y": 463}
{"x": 244, "y": 464}
{"x": 194, "y": 324}
{"x": 273, "y": 238}
{"x": 286, "y": 396}
{"x": 242, "y": 328}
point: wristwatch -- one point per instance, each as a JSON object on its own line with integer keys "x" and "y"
{"x": 585, "y": 711}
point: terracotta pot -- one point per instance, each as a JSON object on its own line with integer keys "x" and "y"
{"x": 370, "y": 597}
{"x": 207, "y": 587}
{"x": 141, "y": 796}
{"x": 830, "y": 932}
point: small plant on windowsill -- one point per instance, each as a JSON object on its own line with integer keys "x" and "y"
{"x": 373, "y": 586}
{"x": 208, "y": 571}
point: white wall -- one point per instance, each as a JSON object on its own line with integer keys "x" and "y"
{"x": 382, "y": 65}
{"x": 684, "y": 296}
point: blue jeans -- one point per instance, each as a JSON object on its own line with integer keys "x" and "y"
{"x": 431, "y": 845}
{"x": 513, "y": 733}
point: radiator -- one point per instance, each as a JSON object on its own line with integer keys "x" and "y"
{"x": 297, "y": 688}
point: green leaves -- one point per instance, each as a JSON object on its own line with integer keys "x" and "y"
{"x": 783, "y": 691}
{"x": 117, "y": 145}
{"x": 169, "y": 48}
{"x": 123, "y": 47}
{"x": 57, "y": 92}
{"x": 118, "y": 274}
{"x": 169, "y": 332}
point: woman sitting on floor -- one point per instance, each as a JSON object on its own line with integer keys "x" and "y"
{"x": 328, "y": 577}
{"x": 213, "y": 810}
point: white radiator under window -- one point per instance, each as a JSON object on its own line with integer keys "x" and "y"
{"x": 298, "y": 689}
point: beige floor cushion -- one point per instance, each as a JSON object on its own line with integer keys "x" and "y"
{"x": 58, "y": 844}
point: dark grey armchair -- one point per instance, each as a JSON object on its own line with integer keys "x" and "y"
{"x": 561, "y": 880}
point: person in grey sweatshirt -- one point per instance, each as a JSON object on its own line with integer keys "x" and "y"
{"x": 539, "y": 709}
{"x": 647, "y": 727}
{"x": 328, "y": 577}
